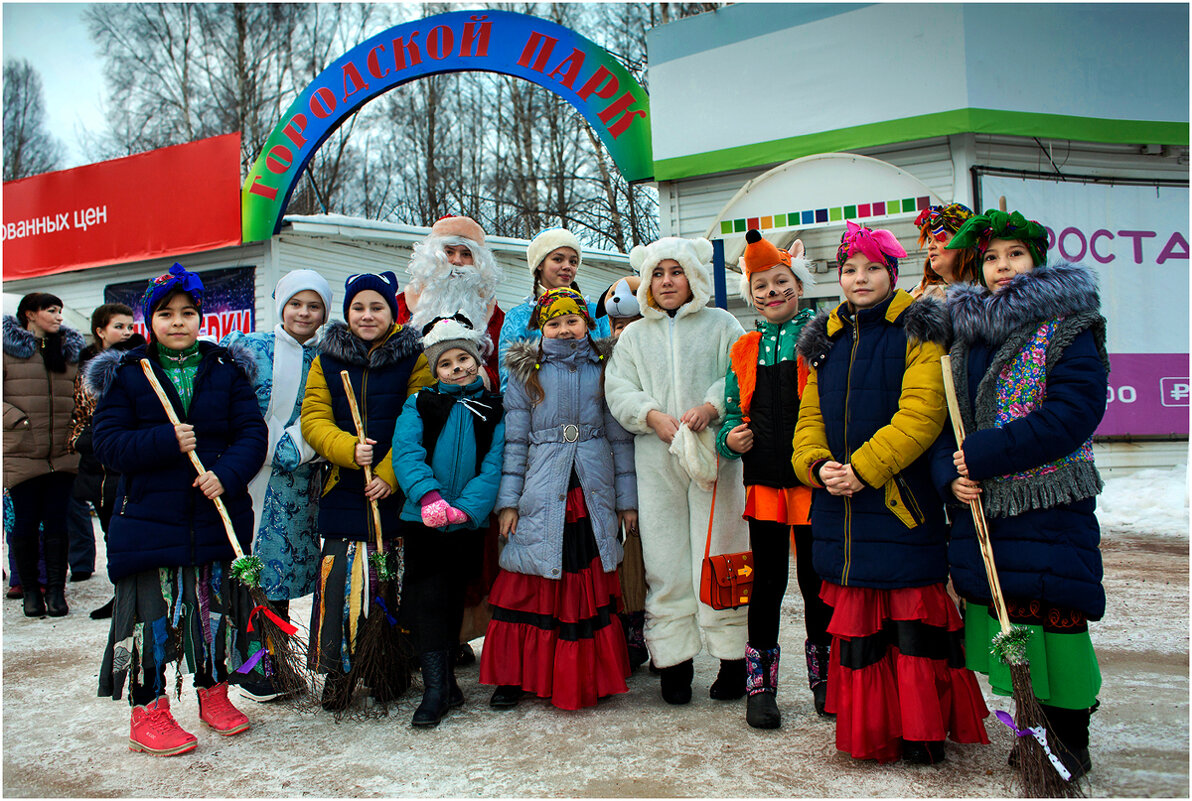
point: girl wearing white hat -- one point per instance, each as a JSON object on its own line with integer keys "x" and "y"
{"x": 665, "y": 383}
{"x": 285, "y": 492}
{"x": 554, "y": 258}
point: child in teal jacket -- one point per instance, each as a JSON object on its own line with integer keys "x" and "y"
{"x": 447, "y": 452}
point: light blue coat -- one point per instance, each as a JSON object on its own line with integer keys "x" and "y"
{"x": 287, "y": 539}
{"x": 452, "y": 470}
{"x": 571, "y": 429}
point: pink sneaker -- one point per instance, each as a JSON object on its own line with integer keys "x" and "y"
{"x": 154, "y": 731}
{"x": 217, "y": 711}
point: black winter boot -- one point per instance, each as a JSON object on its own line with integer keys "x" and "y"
{"x": 35, "y": 602}
{"x": 55, "y": 553}
{"x": 1068, "y": 736}
{"x": 817, "y": 675}
{"x": 730, "y": 681}
{"x": 761, "y": 683}
{"x": 505, "y": 696}
{"x": 455, "y": 696}
{"x": 676, "y": 683}
{"x": 435, "y": 689}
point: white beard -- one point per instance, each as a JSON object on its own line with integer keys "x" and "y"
{"x": 439, "y": 289}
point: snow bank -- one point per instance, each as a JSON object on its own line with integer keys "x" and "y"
{"x": 1151, "y": 501}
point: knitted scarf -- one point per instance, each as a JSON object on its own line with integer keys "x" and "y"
{"x": 180, "y": 367}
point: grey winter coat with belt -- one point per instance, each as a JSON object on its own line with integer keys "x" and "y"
{"x": 571, "y": 429}
{"x": 37, "y": 405}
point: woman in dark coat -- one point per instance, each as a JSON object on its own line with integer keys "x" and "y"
{"x": 1031, "y": 371}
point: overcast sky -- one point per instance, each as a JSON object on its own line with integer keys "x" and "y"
{"x": 53, "y": 38}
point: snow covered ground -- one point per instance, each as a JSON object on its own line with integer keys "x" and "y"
{"x": 59, "y": 740}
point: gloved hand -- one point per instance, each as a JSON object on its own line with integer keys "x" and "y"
{"x": 437, "y": 513}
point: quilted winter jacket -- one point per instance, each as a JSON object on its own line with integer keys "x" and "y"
{"x": 1043, "y": 526}
{"x": 37, "y": 405}
{"x": 466, "y": 474}
{"x": 159, "y": 519}
{"x": 383, "y": 376}
{"x": 875, "y": 400}
{"x": 571, "y": 429}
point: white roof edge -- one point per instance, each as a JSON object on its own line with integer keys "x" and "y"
{"x": 362, "y": 228}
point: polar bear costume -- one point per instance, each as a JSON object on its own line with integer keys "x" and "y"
{"x": 672, "y": 364}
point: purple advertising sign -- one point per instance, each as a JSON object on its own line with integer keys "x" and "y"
{"x": 1147, "y": 392}
{"x": 229, "y": 301}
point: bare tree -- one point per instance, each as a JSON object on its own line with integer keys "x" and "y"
{"x": 28, "y": 147}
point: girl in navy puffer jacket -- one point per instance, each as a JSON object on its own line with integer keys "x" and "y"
{"x": 1031, "y": 371}
{"x": 567, "y": 478}
{"x": 168, "y": 552}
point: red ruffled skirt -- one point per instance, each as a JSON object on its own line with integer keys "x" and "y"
{"x": 559, "y": 639}
{"x": 897, "y": 671}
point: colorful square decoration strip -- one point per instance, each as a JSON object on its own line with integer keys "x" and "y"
{"x": 834, "y": 214}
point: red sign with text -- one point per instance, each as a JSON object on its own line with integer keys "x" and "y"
{"x": 166, "y": 202}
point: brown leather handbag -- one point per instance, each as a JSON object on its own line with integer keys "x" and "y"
{"x": 726, "y": 580}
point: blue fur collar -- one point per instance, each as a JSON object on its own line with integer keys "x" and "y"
{"x": 1046, "y": 293}
{"x": 340, "y": 343}
{"x": 20, "y": 342}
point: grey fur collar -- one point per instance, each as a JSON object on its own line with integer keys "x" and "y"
{"x": 340, "y": 343}
{"x": 20, "y": 342}
{"x": 100, "y": 372}
{"x": 924, "y": 320}
{"x": 1046, "y": 293}
{"x": 521, "y": 356}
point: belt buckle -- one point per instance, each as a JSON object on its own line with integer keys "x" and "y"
{"x": 570, "y": 432}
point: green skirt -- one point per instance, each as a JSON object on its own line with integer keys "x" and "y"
{"x": 1064, "y": 669}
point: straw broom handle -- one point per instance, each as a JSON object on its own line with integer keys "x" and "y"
{"x": 229, "y": 529}
{"x": 995, "y": 584}
{"x": 376, "y": 510}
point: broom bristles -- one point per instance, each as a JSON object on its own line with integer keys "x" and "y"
{"x": 1038, "y": 777}
{"x": 286, "y": 653}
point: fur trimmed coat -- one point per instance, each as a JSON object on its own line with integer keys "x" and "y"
{"x": 875, "y": 400}
{"x": 571, "y": 429}
{"x": 1031, "y": 371}
{"x": 383, "y": 376}
{"x": 160, "y": 519}
{"x": 37, "y": 405}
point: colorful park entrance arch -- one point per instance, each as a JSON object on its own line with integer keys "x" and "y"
{"x": 548, "y": 54}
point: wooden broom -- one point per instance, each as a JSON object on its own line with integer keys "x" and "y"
{"x": 383, "y": 658}
{"x": 1041, "y": 773}
{"x": 283, "y": 651}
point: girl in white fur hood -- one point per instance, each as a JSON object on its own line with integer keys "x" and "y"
{"x": 666, "y": 380}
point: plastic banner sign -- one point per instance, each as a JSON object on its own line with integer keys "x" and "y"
{"x": 1135, "y": 238}
{"x": 573, "y": 67}
{"x": 229, "y": 301}
{"x": 163, "y": 203}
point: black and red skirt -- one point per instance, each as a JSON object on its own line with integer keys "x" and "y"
{"x": 559, "y": 639}
{"x": 897, "y": 671}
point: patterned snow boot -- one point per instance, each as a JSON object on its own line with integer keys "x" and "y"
{"x": 817, "y": 675}
{"x": 761, "y": 683}
{"x": 635, "y": 639}
{"x": 154, "y": 731}
{"x": 217, "y": 711}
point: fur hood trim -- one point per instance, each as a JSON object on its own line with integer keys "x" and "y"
{"x": 923, "y": 320}
{"x": 1045, "y": 293}
{"x": 100, "y": 372}
{"x": 695, "y": 256}
{"x": 20, "y": 342}
{"x": 814, "y": 341}
{"x": 522, "y": 355}
{"x": 340, "y": 343}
